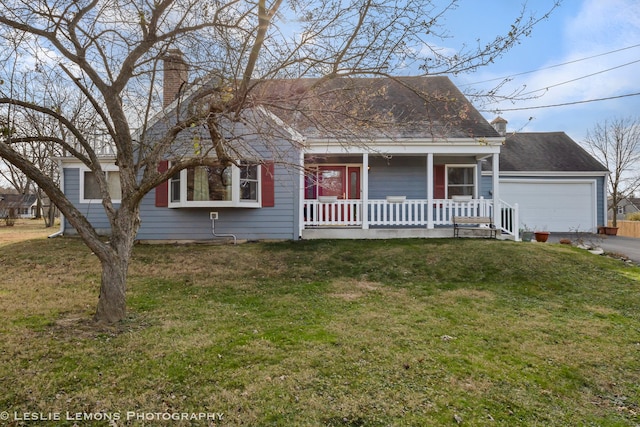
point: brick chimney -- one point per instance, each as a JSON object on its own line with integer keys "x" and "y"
{"x": 500, "y": 125}
{"x": 174, "y": 76}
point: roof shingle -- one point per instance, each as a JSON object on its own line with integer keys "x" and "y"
{"x": 546, "y": 151}
{"x": 401, "y": 107}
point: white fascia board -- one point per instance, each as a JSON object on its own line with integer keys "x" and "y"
{"x": 398, "y": 149}
{"x": 72, "y": 161}
{"x": 483, "y": 146}
{"x": 567, "y": 174}
{"x": 415, "y": 141}
{"x": 409, "y": 141}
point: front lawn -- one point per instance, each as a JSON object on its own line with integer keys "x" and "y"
{"x": 324, "y": 333}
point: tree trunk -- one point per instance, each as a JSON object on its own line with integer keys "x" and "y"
{"x": 50, "y": 217}
{"x": 112, "y": 305}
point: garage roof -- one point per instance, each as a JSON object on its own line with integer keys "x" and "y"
{"x": 545, "y": 151}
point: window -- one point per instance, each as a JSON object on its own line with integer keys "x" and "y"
{"x": 204, "y": 186}
{"x": 175, "y": 188}
{"x": 461, "y": 180}
{"x": 249, "y": 182}
{"x": 209, "y": 183}
{"x": 620, "y": 210}
{"x": 90, "y": 190}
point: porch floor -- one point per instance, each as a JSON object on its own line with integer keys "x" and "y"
{"x": 389, "y": 233}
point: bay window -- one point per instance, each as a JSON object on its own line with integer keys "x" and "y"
{"x": 204, "y": 186}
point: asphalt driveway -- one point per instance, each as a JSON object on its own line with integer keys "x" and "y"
{"x": 627, "y": 246}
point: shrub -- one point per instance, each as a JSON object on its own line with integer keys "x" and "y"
{"x": 633, "y": 216}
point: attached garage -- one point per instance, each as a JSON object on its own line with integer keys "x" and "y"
{"x": 554, "y": 205}
{"x": 557, "y": 185}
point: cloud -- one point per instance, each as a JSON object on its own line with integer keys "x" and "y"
{"x": 594, "y": 28}
{"x": 600, "y": 24}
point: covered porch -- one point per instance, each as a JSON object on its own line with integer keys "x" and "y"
{"x": 410, "y": 194}
{"x": 396, "y": 218}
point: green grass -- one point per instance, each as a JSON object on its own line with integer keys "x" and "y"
{"x": 328, "y": 333}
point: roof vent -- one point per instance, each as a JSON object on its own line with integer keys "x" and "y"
{"x": 500, "y": 125}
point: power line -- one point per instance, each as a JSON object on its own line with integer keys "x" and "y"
{"x": 580, "y": 78}
{"x": 551, "y": 66}
{"x": 498, "y": 110}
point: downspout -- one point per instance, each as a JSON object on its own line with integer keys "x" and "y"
{"x": 61, "y": 231}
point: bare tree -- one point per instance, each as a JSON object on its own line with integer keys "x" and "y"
{"x": 616, "y": 143}
{"x": 38, "y": 149}
{"x": 110, "y": 51}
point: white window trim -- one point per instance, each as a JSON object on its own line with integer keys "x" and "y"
{"x": 235, "y": 201}
{"x": 461, "y": 165}
{"x": 105, "y": 168}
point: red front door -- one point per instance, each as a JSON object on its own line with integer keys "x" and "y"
{"x": 332, "y": 181}
{"x": 340, "y": 181}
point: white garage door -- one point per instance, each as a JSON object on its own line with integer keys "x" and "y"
{"x": 557, "y": 205}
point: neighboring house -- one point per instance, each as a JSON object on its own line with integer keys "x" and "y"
{"x": 405, "y": 171}
{"x": 18, "y": 205}
{"x": 557, "y": 185}
{"x": 626, "y": 206}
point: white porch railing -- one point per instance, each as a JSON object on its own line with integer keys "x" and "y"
{"x": 510, "y": 220}
{"x": 338, "y": 213}
{"x": 406, "y": 213}
{"x": 446, "y": 209}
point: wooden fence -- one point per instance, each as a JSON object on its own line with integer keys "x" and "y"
{"x": 628, "y": 228}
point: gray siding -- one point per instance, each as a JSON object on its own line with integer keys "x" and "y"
{"x": 278, "y": 223}
{"x": 602, "y": 197}
{"x": 159, "y": 223}
{"x": 486, "y": 187}
{"x": 93, "y": 211}
{"x": 402, "y": 176}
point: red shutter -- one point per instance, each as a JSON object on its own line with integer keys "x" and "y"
{"x": 268, "y": 185}
{"x": 162, "y": 190}
{"x": 438, "y": 182}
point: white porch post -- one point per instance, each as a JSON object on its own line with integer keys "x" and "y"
{"x": 497, "y": 211}
{"x": 365, "y": 191}
{"x": 430, "y": 190}
{"x": 301, "y": 195}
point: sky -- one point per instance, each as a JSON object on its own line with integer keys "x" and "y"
{"x": 586, "y": 50}
{"x": 598, "y": 41}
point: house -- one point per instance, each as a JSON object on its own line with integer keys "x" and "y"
{"x": 18, "y": 205}
{"x": 338, "y": 158}
{"x": 626, "y": 206}
{"x": 557, "y": 185}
